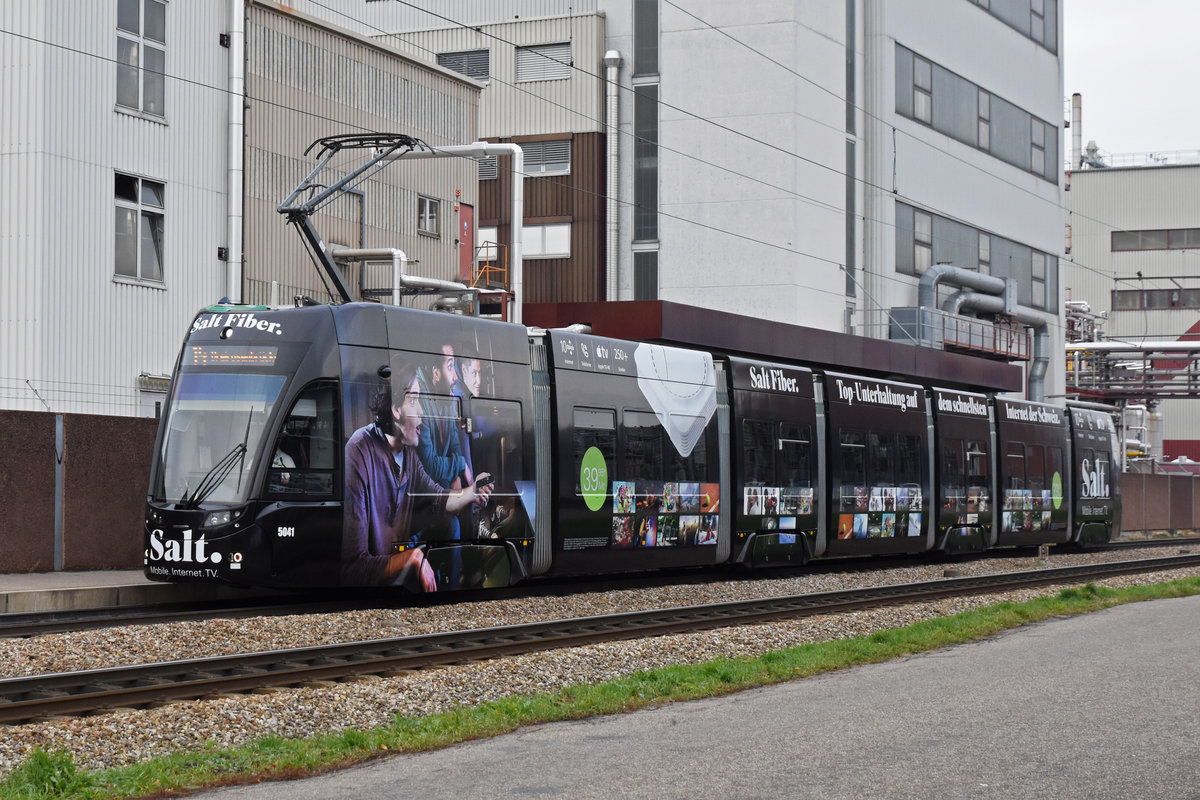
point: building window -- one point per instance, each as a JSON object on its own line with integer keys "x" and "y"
{"x": 139, "y": 228}
{"x": 141, "y": 55}
{"x": 544, "y": 62}
{"x": 1037, "y": 282}
{"x": 645, "y": 163}
{"x": 645, "y": 37}
{"x": 985, "y": 120}
{"x": 1174, "y": 239}
{"x": 1037, "y": 137}
{"x": 922, "y": 241}
{"x": 1037, "y": 20}
{"x": 428, "y": 211}
{"x": 985, "y": 254}
{"x": 1136, "y": 299}
{"x": 487, "y": 246}
{"x": 922, "y": 90}
{"x": 472, "y": 63}
{"x": 645, "y": 275}
{"x": 999, "y": 127}
{"x": 489, "y": 168}
{"x": 547, "y": 158}
{"x": 546, "y": 241}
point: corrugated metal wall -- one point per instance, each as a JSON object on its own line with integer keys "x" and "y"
{"x": 577, "y": 198}
{"x": 509, "y": 108}
{"x": 306, "y": 81}
{"x": 73, "y": 338}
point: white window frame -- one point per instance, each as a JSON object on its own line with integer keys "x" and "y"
{"x": 141, "y": 60}
{"x": 546, "y": 158}
{"x": 487, "y": 243}
{"x": 429, "y": 216}
{"x": 545, "y": 241}
{"x": 146, "y": 214}
{"x": 475, "y": 64}
{"x": 983, "y": 137}
{"x": 922, "y": 241}
{"x": 543, "y": 62}
{"x": 922, "y": 90}
{"x": 1037, "y": 150}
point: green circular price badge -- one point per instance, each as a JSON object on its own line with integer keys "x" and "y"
{"x": 1056, "y": 493}
{"x": 593, "y": 478}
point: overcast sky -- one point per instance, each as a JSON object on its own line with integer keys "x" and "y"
{"x": 1136, "y": 65}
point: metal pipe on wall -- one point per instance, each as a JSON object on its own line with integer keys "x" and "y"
{"x": 612, "y": 61}
{"x": 236, "y": 134}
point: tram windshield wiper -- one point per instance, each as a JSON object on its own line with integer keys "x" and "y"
{"x": 219, "y": 472}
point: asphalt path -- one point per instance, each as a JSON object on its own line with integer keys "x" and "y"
{"x": 1103, "y": 705}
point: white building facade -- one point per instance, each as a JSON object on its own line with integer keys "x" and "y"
{"x": 116, "y": 196}
{"x": 1135, "y": 260}
{"x": 155, "y": 139}
{"x": 807, "y": 161}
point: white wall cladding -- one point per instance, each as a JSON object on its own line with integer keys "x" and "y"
{"x": 527, "y": 108}
{"x": 1132, "y": 199}
{"x": 72, "y": 338}
{"x": 307, "y": 80}
{"x": 375, "y": 17}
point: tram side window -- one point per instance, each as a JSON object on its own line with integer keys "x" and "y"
{"x": 693, "y": 467}
{"x": 757, "y": 447}
{"x": 1014, "y": 465}
{"x": 643, "y": 446}
{"x": 978, "y": 472}
{"x": 1055, "y": 464}
{"x": 883, "y": 472}
{"x": 304, "y": 460}
{"x": 594, "y": 427}
{"x": 908, "y": 459}
{"x": 851, "y": 469}
{"x": 953, "y": 472}
{"x": 1035, "y": 467}
{"x": 795, "y": 455}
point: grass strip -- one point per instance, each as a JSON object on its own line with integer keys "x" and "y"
{"x": 53, "y": 775}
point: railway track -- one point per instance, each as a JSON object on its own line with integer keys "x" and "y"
{"x": 20, "y": 625}
{"x": 27, "y": 698}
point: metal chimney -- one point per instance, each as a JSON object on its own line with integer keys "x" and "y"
{"x": 1076, "y": 132}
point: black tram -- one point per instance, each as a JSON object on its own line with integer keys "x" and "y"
{"x": 371, "y": 445}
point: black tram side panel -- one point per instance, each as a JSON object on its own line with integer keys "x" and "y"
{"x": 880, "y": 476}
{"x": 637, "y": 456}
{"x": 1034, "y": 473}
{"x": 288, "y": 527}
{"x": 1095, "y": 492}
{"x": 778, "y": 498}
{"x": 964, "y": 451}
{"x": 494, "y": 420}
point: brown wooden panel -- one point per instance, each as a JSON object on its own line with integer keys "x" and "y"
{"x": 106, "y": 469}
{"x": 1181, "y": 501}
{"x": 578, "y": 198}
{"x": 1133, "y": 507}
{"x": 27, "y": 491}
{"x": 1157, "y": 503}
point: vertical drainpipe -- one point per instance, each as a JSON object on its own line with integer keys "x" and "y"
{"x": 612, "y": 60}
{"x": 237, "y": 101}
{"x": 518, "y": 221}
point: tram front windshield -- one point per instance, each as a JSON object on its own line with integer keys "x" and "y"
{"x": 214, "y": 436}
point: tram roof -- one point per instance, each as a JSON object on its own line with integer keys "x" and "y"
{"x": 676, "y": 323}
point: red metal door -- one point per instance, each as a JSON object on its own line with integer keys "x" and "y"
{"x": 466, "y": 243}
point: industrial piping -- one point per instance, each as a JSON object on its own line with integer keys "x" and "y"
{"x": 992, "y": 297}
{"x": 479, "y": 150}
{"x": 400, "y": 276}
{"x": 612, "y": 61}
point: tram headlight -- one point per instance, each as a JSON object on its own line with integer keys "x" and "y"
{"x": 218, "y": 518}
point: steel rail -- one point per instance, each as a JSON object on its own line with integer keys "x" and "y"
{"x": 86, "y": 691}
